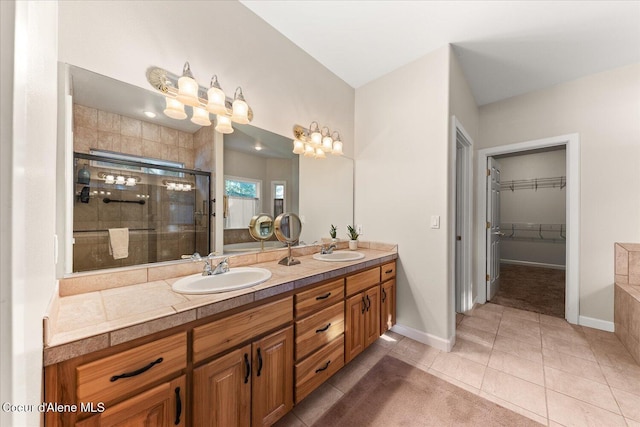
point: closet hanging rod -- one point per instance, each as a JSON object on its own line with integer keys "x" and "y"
{"x": 534, "y": 183}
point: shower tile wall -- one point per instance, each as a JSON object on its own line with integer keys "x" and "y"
{"x": 170, "y": 213}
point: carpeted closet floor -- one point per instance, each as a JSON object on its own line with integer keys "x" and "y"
{"x": 536, "y": 289}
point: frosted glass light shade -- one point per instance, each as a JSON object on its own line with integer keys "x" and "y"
{"x": 316, "y": 138}
{"x": 240, "y": 112}
{"x": 216, "y": 101}
{"x": 327, "y": 143}
{"x": 109, "y": 179}
{"x": 200, "y": 117}
{"x": 120, "y": 180}
{"x": 188, "y": 91}
{"x": 309, "y": 151}
{"x": 320, "y": 153}
{"x": 131, "y": 181}
{"x": 174, "y": 109}
{"x": 224, "y": 124}
{"x": 298, "y": 146}
{"x": 337, "y": 147}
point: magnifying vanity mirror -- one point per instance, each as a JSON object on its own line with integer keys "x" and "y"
{"x": 287, "y": 229}
{"x": 261, "y": 228}
{"x": 112, "y": 131}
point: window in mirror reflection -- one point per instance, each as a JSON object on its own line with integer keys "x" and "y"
{"x": 243, "y": 201}
{"x": 278, "y": 191}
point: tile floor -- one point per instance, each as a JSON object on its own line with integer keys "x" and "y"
{"x": 539, "y": 366}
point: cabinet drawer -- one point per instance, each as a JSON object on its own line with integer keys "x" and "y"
{"x": 388, "y": 271}
{"x": 114, "y": 376}
{"x": 318, "y": 367}
{"x": 323, "y": 296}
{"x": 361, "y": 281}
{"x": 318, "y": 329}
{"x": 231, "y": 331}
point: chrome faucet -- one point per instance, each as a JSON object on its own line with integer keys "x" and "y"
{"x": 221, "y": 268}
{"x": 328, "y": 250}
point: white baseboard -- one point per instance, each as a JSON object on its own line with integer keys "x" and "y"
{"x": 425, "y": 338}
{"x": 596, "y": 323}
{"x": 533, "y": 264}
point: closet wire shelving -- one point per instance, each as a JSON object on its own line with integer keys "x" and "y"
{"x": 534, "y": 183}
{"x": 532, "y": 232}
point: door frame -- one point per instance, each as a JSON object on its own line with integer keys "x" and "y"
{"x": 572, "y": 145}
{"x": 464, "y": 289}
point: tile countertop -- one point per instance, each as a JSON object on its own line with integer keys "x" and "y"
{"x": 81, "y": 323}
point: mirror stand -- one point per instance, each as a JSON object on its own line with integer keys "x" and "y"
{"x": 288, "y": 260}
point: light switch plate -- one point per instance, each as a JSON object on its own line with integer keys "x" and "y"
{"x": 435, "y": 221}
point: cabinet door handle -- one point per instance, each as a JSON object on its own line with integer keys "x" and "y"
{"x": 323, "y": 329}
{"x": 389, "y": 271}
{"x": 259, "y": 362}
{"x": 384, "y": 295}
{"x": 136, "y": 372}
{"x": 178, "y": 406}
{"x": 323, "y": 296}
{"x": 364, "y": 305}
{"x": 247, "y": 365}
{"x": 324, "y": 367}
{"x": 368, "y": 303}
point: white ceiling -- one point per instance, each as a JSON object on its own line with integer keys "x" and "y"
{"x": 506, "y": 48}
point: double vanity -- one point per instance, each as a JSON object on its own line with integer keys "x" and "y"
{"x": 126, "y": 348}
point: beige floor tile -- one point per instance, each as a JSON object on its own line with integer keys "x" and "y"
{"x": 612, "y": 353}
{"x": 573, "y": 365}
{"x": 454, "y": 381}
{"x": 629, "y": 403}
{"x": 472, "y": 350}
{"x": 567, "y": 334}
{"x": 290, "y": 420}
{"x": 515, "y": 390}
{"x": 554, "y": 321}
{"x": 597, "y": 394}
{"x": 518, "y": 348}
{"x": 389, "y": 339}
{"x": 573, "y": 412}
{"x": 632, "y": 423}
{"x": 517, "y": 366}
{"x": 568, "y": 347}
{"x": 515, "y": 408}
{"x": 495, "y": 308}
{"x": 625, "y": 378}
{"x": 348, "y": 376}
{"x": 527, "y": 335}
{"x": 484, "y": 314}
{"x": 414, "y": 353}
{"x": 483, "y": 324}
{"x": 476, "y": 335}
{"x": 459, "y": 368}
{"x": 317, "y": 403}
{"x": 523, "y": 314}
{"x": 371, "y": 355}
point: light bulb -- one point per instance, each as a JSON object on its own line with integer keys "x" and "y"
{"x": 240, "y": 108}
{"x": 174, "y": 109}
{"x": 188, "y": 88}
{"x": 216, "y": 98}
{"x": 131, "y": 181}
{"x": 224, "y": 124}
{"x": 120, "y": 180}
{"x": 109, "y": 179}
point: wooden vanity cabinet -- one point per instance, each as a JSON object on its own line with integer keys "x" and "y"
{"x": 252, "y": 385}
{"x": 388, "y": 297}
{"x": 362, "y": 324}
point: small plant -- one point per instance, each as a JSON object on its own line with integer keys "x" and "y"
{"x": 333, "y": 231}
{"x": 353, "y": 234}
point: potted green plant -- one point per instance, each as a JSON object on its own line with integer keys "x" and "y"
{"x": 333, "y": 231}
{"x": 353, "y": 238}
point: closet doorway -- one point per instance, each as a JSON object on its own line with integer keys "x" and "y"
{"x": 565, "y": 232}
{"x": 531, "y": 200}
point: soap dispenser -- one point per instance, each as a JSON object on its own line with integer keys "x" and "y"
{"x": 84, "y": 175}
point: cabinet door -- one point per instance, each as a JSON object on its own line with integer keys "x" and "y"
{"x": 372, "y": 315}
{"x": 388, "y": 305}
{"x": 222, "y": 391}
{"x": 162, "y": 406}
{"x": 272, "y": 392}
{"x": 354, "y": 326}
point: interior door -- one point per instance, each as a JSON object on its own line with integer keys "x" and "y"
{"x": 493, "y": 227}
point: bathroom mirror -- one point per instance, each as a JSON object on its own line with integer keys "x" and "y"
{"x": 319, "y": 192}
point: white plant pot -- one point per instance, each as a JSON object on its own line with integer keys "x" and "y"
{"x": 353, "y": 245}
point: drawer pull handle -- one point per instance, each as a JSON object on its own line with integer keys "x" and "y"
{"x": 384, "y": 295}
{"x": 259, "y": 362}
{"x": 247, "y": 365}
{"x": 324, "y": 367}
{"x": 368, "y": 303}
{"x": 137, "y": 372}
{"x": 178, "y": 406}
{"x": 323, "y": 329}
{"x": 323, "y": 296}
{"x": 389, "y": 271}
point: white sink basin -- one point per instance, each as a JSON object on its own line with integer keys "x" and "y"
{"x": 235, "y": 278}
{"x": 338, "y": 256}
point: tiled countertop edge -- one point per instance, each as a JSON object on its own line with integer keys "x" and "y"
{"x": 55, "y": 352}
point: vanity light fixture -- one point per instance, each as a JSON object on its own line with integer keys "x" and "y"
{"x": 185, "y": 90}
{"x": 178, "y": 186}
{"x": 325, "y": 141}
{"x": 110, "y": 178}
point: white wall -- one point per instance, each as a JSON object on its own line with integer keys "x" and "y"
{"x": 401, "y": 180}
{"x": 28, "y": 182}
{"x": 604, "y": 109}
{"x": 530, "y": 206}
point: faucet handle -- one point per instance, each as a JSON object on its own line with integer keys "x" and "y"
{"x": 195, "y": 257}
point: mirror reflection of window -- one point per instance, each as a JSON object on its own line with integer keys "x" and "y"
{"x": 278, "y": 189}
{"x": 243, "y": 201}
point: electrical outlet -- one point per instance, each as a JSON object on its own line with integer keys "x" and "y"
{"x": 359, "y": 228}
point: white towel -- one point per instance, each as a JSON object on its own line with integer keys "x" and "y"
{"x": 119, "y": 242}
